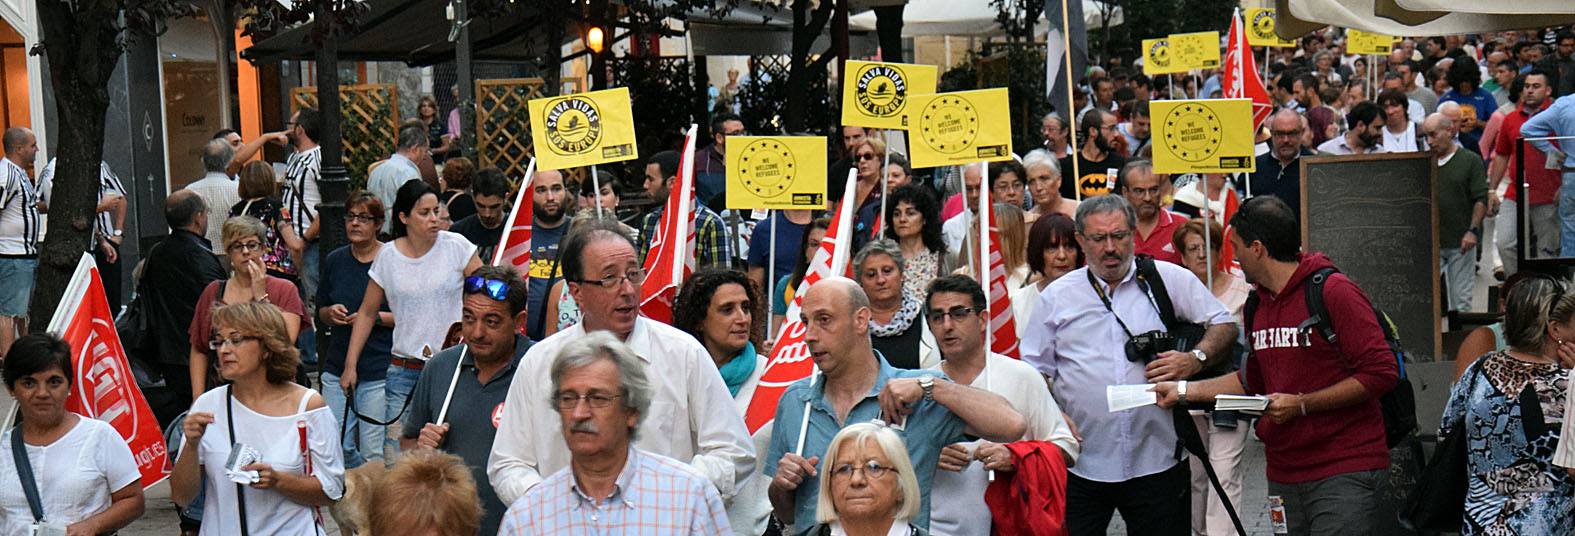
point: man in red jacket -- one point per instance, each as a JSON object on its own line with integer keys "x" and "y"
{"x": 1323, "y": 432}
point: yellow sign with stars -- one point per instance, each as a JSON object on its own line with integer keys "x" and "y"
{"x": 878, "y": 94}
{"x": 583, "y": 129}
{"x": 960, "y": 127}
{"x": 1202, "y": 136}
{"x": 1260, "y": 29}
{"x": 776, "y": 172}
{"x": 1360, "y": 42}
{"x": 1180, "y": 53}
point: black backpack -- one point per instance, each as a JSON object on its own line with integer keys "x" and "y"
{"x": 1399, "y": 404}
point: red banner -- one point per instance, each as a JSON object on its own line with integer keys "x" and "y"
{"x": 1240, "y": 79}
{"x": 514, "y": 248}
{"x": 1003, "y": 329}
{"x": 671, "y": 261}
{"x": 790, "y": 360}
{"x": 103, "y": 387}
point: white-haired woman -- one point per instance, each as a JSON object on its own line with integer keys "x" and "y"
{"x": 872, "y": 490}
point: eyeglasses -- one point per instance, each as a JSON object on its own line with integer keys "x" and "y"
{"x": 868, "y": 156}
{"x": 245, "y": 246}
{"x": 958, "y": 314}
{"x": 567, "y": 401}
{"x": 1119, "y": 236}
{"x": 218, "y": 343}
{"x": 635, "y": 276}
{"x": 871, "y": 470}
{"x": 362, "y": 218}
{"x": 493, "y": 288}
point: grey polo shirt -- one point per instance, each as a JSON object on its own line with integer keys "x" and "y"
{"x": 473, "y": 416}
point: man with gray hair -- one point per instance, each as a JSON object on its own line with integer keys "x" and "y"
{"x": 217, "y": 189}
{"x": 601, "y": 393}
{"x": 693, "y": 417}
{"x": 386, "y": 178}
{"x": 1099, "y": 327}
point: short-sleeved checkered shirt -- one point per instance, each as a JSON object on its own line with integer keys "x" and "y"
{"x": 654, "y": 495}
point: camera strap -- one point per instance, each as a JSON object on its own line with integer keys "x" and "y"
{"x": 1105, "y": 299}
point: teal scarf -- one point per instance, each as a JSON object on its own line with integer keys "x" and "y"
{"x": 738, "y": 371}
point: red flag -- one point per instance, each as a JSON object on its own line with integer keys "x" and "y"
{"x": 1227, "y": 260}
{"x": 1239, "y": 79}
{"x": 514, "y": 248}
{"x": 102, "y": 386}
{"x": 1002, "y": 328}
{"x": 790, "y": 360}
{"x": 671, "y": 261}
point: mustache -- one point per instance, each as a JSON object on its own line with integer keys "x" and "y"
{"x": 584, "y": 426}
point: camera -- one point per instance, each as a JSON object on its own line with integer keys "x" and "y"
{"x": 1145, "y": 347}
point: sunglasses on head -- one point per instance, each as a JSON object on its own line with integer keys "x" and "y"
{"x": 493, "y": 288}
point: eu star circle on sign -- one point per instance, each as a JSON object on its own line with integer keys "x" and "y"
{"x": 1194, "y": 132}
{"x": 949, "y": 124}
{"x": 767, "y": 168}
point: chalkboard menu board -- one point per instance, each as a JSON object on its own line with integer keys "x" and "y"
{"x": 1375, "y": 216}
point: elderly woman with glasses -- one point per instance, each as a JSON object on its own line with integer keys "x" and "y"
{"x": 872, "y": 489}
{"x": 245, "y": 241}
{"x": 263, "y": 451}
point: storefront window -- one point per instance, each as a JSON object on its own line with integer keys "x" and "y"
{"x": 193, "y": 96}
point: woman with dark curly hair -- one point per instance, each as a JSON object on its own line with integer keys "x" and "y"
{"x": 288, "y": 461}
{"x": 915, "y": 218}
{"x": 717, "y": 307}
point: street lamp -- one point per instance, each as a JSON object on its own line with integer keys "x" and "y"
{"x": 593, "y": 39}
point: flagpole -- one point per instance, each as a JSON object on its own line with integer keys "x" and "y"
{"x": 452, "y": 382}
{"x": 519, "y": 200}
{"x": 596, "y": 181}
{"x": 885, "y": 136}
{"x": 1071, "y": 103}
{"x": 1208, "y": 217}
{"x": 771, "y": 275}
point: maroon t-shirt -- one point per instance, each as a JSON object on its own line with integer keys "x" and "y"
{"x": 1286, "y": 359}
{"x": 281, "y": 293}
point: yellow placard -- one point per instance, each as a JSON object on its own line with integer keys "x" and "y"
{"x": 583, "y": 129}
{"x": 1202, "y": 136}
{"x": 776, "y": 172}
{"x": 960, "y": 127}
{"x": 1360, "y": 42}
{"x": 1180, "y": 53}
{"x": 877, "y": 95}
{"x": 1260, "y": 29}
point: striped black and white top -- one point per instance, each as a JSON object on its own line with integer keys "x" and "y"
{"x": 108, "y": 186}
{"x": 300, "y": 188}
{"x": 19, "y": 225}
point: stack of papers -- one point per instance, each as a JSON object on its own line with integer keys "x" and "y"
{"x": 1125, "y": 397}
{"x": 1254, "y": 404}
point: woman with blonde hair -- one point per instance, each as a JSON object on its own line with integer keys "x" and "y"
{"x": 244, "y": 242}
{"x": 426, "y": 493}
{"x": 871, "y": 489}
{"x": 1014, "y": 247}
{"x": 272, "y": 455}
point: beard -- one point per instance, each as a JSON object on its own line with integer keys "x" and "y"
{"x": 546, "y": 215}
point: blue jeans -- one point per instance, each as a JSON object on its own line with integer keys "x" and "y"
{"x": 363, "y": 442}
{"x": 1567, "y": 215}
{"x": 401, "y": 381}
{"x": 311, "y": 273}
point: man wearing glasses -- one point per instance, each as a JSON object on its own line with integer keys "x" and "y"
{"x": 1279, "y": 172}
{"x": 1085, "y": 336}
{"x": 466, "y": 385}
{"x": 1144, "y": 189}
{"x": 692, "y": 416}
{"x": 957, "y": 313}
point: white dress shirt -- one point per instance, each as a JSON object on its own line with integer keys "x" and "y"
{"x": 964, "y": 512}
{"x": 220, "y": 193}
{"x": 692, "y": 416}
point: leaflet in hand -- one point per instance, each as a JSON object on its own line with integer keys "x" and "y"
{"x": 1254, "y": 404}
{"x": 242, "y": 455}
{"x": 1125, "y": 397}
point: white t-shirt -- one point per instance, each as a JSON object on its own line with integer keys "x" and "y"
{"x": 964, "y": 512}
{"x": 75, "y": 476}
{"x": 278, "y": 440}
{"x": 426, "y": 294}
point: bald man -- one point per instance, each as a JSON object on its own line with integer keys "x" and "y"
{"x": 1462, "y": 203}
{"x": 1279, "y": 172}
{"x": 856, "y": 384}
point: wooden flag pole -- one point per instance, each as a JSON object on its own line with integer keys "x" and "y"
{"x": 1071, "y": 103}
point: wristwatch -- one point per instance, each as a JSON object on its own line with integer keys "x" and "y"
{"x": 927, "y": 382}
{"x": 117, "y": 233}
{"x": 1181, "y": 392}
{"x": 1202, "y": 357}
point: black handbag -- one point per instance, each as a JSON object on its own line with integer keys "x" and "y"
{"x": 1438, "y": 502}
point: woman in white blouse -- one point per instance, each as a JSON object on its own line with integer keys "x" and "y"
{"x": 289, "y": 461}
{"x": 87, "y": 481}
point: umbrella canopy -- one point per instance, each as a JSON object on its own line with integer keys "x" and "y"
{"x": 751, "y": 30}
{"x": 1300, "y": 17}
{"x": 973, "y": 17}
{"x": 417, "y": 32}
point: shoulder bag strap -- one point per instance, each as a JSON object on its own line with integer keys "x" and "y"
{"x": 24, "y": 470}
{"x": 229, "y": 421}
{"x": 1148, "y": 277}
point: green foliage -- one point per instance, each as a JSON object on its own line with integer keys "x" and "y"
{"x": 1148, "y": 19}
{"x": 763, "y": 102}
{"x": 662, "y": 94}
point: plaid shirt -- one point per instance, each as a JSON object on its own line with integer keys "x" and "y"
{"x": 711, "y": 245}
{"x": 654, "y": 495}
{"x": 300, "y": 188}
